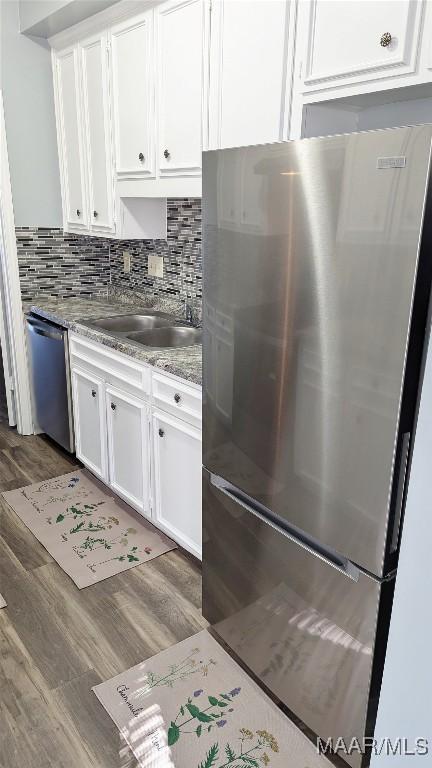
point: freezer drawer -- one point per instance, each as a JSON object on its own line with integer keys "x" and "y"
{"x": 303, "y": 626}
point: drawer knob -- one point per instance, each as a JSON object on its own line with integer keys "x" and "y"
{"x": 78, "y": 212}
{"x": 161, "y": 432}
{"x": 95, "y": 214}
{"x": 141, "y": 157}
{"x": 113, "y": 406}
{"x": 386, "y": 39}
{"x": 166, "y": 153}
{"x": 177, "y": 397}
{"x": 93, "y": 393}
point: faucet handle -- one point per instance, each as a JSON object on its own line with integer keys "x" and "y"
{"x": 188, "y": 311}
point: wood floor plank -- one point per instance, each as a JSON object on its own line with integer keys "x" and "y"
{"x": 31, "y": 735}
{"x": 38, "y": 461}
{"x": 92, "y": 620}
{"x": 8, "y": 436}
{"x": 56, "y": 641}
{"x": 42, "y": 634}
{"x": 183, "y": 573}
{"x": 11, "y": 476}
{"x": 99, "y": 736}
{"x": 20, "y": 540}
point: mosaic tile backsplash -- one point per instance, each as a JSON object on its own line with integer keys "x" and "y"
{"x": 61, "y": 264}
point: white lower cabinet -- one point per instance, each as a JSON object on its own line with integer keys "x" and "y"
{"x": 128, "y": 448}
{"x": 139, "y": 431}
{"x": 177, "y": 479}
{"x": 89, "y": 415}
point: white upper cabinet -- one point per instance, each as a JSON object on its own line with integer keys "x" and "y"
{"x": 250, "y": 66}
{"x": 98, "y": 134}
{"x": 343, "y": 43}
{"x": 180, "y": 36}
{"x": 71, "y": 140}
{"x": 132, "y": 53}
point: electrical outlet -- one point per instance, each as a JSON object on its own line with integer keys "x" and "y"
{"x": 155, "y": 265}
{"x": 126, "y": 261}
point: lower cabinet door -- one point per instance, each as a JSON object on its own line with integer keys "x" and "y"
{"x": 177, "y": 480}
{"x": 89, "y": 419}
{"x": 128, "y": 448}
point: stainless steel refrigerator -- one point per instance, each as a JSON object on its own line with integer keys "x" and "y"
{"x": 317, "y": 276}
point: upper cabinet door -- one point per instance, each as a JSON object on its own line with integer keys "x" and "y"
{"x": 71, "y": 140}
{"x": 250, "y": 66}
{"x": 356, "y": 41}
{"x": 180, "y": 63}
{"x": 98, "y": 134}
{"x": 133, "y": 96}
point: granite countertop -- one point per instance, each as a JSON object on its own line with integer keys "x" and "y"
{"x": 185, "y": 362}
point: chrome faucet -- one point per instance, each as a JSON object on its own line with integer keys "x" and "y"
{"x": 188, "y": 312}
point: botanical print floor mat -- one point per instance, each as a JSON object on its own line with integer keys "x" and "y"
{"x": 90, "y": 533}
{"x": 192, "y": 706}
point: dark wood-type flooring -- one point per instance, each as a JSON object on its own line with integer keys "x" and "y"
{"x": 56, "y": 641}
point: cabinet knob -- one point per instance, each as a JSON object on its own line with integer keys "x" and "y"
{"x": 113, "y": 406}
{"x": 78, "y": 212}
{"x": 93, "y": 393}
{"x": 95, "y": 214}
{"x": 161, "y": 432}
{"x": 177, "y": 397}
{"x": 386, "y": 39}
{"x": 166, "y": 153}
{"x": 141, "y": 157}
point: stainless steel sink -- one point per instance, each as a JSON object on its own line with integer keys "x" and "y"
{"x": 171, "y": 336}
{"x": 123, "y": 324}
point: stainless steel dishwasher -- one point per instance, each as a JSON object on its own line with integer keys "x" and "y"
{"x": 49, "y": 365}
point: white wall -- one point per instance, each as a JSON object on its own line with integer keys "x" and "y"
{"x": 32, "y": 12}
{"x": 405, "y": 702}
{"x": 26, "y": 82}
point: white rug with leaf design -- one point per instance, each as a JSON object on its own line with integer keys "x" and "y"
{"x": 89, "y": 532}
{"x": 192, "y": 706}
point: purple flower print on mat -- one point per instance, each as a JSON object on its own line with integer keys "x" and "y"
{"x": 201, "y": 719}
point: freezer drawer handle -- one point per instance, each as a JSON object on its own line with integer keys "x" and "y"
{"x": 400, "y": 490}
{"x": 343, "y": 566}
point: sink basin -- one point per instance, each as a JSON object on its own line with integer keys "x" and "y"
{"x": 171, "y": 336}
{"x": 127, "y": 323}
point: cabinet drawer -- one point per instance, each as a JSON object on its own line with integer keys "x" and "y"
{"x": 178, "y": 398}
{"x": 112, "y": 366}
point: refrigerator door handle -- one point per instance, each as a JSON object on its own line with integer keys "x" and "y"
{"x": 346, "y": 567}
{"x": 403, "y": 466}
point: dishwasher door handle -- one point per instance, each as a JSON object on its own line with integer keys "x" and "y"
{"x": 44, "y": 329}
